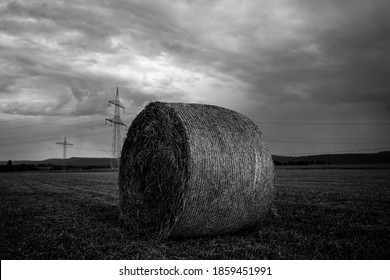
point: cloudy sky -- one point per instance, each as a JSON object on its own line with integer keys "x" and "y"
{"x": 313, "y": 74}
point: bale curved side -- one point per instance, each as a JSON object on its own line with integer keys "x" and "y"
{"x": 193, "y": 170}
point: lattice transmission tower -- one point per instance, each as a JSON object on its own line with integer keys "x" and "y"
{"x": 65, "y": 145}
{"x": 117, "y": 123}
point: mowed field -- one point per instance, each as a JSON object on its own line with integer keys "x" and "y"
{"x": 318, "y": 214}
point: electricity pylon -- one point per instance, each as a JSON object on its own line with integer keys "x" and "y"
{"x": 117, "y": 123}
{"x": 65, "y": 145}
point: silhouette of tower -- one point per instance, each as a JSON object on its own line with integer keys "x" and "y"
{"x": 65, "y": 145}
{"x": 117, "y": 123}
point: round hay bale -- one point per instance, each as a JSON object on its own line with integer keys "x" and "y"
{"x": 193, "y": 170}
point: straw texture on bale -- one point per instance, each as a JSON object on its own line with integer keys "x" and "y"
{"x": 193, "y": 170}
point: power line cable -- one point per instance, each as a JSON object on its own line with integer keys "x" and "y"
{"x": 320, "y": 123}
{"x": 45, "y": 124}
{"x": 91, "y": 149}
{"x": 326, "y": 142}
{"x": 52, "y": 133}
{"x": 37, "y": 139}
{"x": 54, "y": 149}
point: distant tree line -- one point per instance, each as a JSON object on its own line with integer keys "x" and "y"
{"x": 302, "y": 162}
{"x": 9, "y": 167}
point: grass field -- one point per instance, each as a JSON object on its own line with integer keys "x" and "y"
{"x": 319, "y": 214}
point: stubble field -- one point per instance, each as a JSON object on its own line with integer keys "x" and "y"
{"x": 318, "y": 214}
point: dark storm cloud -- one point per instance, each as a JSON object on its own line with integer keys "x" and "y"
{"x": 354, "y": 52}
{"x": 7, "y": 85}
{"x": 49, "y": 108}
{"x": 339, "y": 60}
{"x": 338, "y": 54}
{"x": 88, "y": 28}
{"x": 54, "y": 18}
{"x": 277, "y": 59}
{"x": 325, "y": 52}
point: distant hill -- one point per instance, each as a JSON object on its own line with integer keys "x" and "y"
{"x": 337, "y": 159}
{"x": 74, "y": 161}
